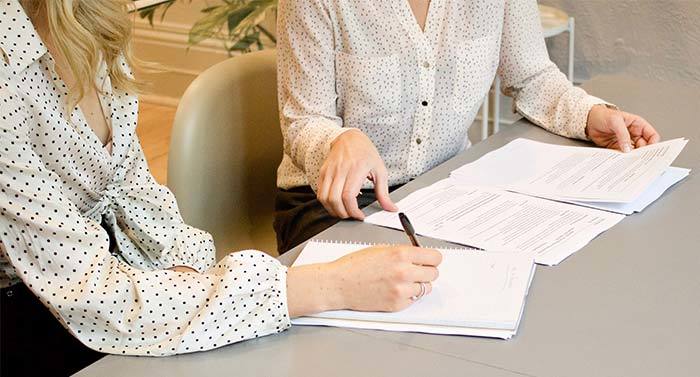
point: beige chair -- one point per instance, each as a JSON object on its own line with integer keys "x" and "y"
{"x": 225, "y": 149}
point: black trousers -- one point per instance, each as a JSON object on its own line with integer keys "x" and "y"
{"x": 33, "y": 342}
{"x": 300, "y": 216}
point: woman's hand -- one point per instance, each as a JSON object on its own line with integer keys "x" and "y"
{"x": 352, "y": 159}
{"x": 382, "y": 278}
{"x": 617, "y": 129}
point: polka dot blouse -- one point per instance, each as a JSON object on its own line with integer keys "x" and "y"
{"x": 368, "y": 65}
{"x": 90, "y": 233}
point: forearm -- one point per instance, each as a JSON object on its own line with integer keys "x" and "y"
{"x": 308, "y": 142}
{"x": 549, "y": 100}
{"x": 312, "y": 289}
{"x": 307, "y": 84}
{"x": 541, "y": 92}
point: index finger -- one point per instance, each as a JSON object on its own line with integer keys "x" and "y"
{"x": 353, "y": 184}
{"x": 425, "y": 257}
{"x": 381, "y": 189}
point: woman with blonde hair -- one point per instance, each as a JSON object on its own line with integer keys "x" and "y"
{"x": 94, "y": 256}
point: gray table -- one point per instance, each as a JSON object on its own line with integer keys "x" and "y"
{"x": 628, "y": 304}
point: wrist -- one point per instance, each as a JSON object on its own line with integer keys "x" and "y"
{"x": 347, "y": 133}
{"x": 592, "y": 116}
{"x": 331, "y": 279}
{"x": 597, "y": 112}
{"x": 313, "y": 289}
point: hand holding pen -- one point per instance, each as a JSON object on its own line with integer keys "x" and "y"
{"x": 425, "y": 287}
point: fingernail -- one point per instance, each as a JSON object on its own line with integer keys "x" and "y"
{"x": 626, "y": 148}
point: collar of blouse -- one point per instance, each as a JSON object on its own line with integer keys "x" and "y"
{"x": 21, "y": 47}
{"x": 19, "y": 54}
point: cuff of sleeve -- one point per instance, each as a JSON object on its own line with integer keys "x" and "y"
{"x": 272, "y": 278}
{"x": 191, "y": 247}
{"x": 589, "y": 101}
{"x": 285, "y": 321}
{"x": 314, "y": 160}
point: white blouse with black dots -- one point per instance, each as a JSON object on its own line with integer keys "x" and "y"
{"x": 368, "y": 65}
{"x": 58, "y": 185}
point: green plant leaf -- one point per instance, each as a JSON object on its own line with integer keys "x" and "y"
{"x": 150, "y": 12}
{"x": 209, "y": 25}
{"x": 260, "y": 9}
{"x": 167, "y": 6}
{"x": 243, "y": 19}
{"x": 236, "y": 17}
{"x": 244, "y": 43}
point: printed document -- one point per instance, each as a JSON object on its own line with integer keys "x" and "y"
{"x": 493, "y": 219}
{"x": 669, "y": 178}
{"x": 571, "y": 173}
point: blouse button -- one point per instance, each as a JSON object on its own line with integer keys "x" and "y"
{"x": 424, "y": 103}
{"x": 419, "y": 141}
{"x": 426, "y": 65}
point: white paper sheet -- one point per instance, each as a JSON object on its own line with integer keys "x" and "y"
{"x": 477, "y": 293}
{"x": 571, "y": 173}
{"x": 669, "y": 178}
{"x": 493, "y": 219}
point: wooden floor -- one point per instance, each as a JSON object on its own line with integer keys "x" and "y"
{"x": 154, "y": 126}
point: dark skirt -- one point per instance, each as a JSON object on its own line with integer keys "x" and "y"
{"x": 33, "y": 342}
{"x": 299, "y": 215}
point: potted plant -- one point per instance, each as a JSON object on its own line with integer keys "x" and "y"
{"x": 240, "y": 22}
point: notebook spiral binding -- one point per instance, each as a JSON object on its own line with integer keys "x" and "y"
{"x": 366, "y": 244}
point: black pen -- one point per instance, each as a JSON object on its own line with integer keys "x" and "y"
{"x": 408, "y": 228}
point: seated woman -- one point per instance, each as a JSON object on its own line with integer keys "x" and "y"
{"x": 88, "y": 237}
{"x": 375, "y": 93}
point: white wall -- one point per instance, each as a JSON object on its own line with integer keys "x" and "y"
{"x": 658, "y": 39}
{"x": 187, "y": 11}
{"x": 166, "y": 43}
{"x": 625, "y": 40}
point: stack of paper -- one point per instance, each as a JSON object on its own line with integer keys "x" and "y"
{"x": 670, "y": 177}
{"x": 530, "y": 197}
{"x": 595, "y": 177}
{"x": 479, "y": 294}
{"x": 493, "y": 219}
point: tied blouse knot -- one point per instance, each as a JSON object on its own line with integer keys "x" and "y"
{"x": 137, "y": 241}
{"x": 92, "y": 234}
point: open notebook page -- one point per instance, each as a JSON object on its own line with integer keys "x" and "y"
{"x": 475, "y": 289}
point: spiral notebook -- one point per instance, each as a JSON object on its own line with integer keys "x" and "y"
{"x": 477, "y": 294}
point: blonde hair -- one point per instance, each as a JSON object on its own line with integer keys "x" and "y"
{"x": 86, "y": 32}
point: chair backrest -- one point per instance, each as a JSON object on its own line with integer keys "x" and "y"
{"x": 225, "y": 149}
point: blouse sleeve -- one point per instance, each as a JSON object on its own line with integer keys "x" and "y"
{"x": 145, "y": 220}
{"x": 541, "y": 91}
{"x": 306, "y": 82}
{"x": 64, "y": 258}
